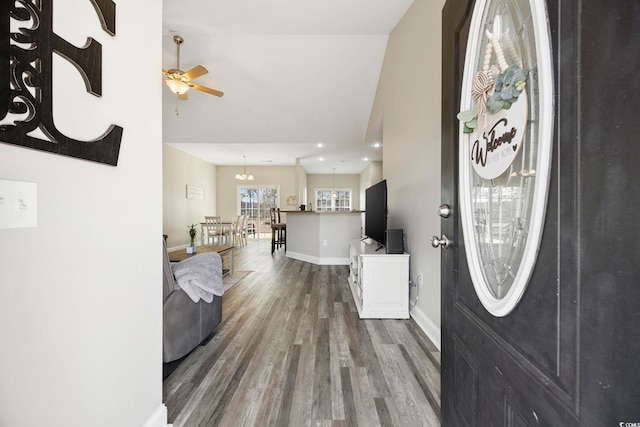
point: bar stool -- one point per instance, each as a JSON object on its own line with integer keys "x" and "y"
{"x": 278, "y": 231}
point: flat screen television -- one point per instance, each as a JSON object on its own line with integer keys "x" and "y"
{"x": 375, "y": 213}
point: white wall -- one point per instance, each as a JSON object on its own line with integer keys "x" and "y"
{"x": 408, "y": 100}
{"x": 80, "y": 313}
{"x": 179, "y": 170}
{"x": 372, "y": 174}
{"x": 322, "y": 238}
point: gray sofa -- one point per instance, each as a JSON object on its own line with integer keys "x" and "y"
{"x": 185, "y": 323}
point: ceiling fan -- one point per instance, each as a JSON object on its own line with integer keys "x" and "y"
{"x": 181, "y": 81}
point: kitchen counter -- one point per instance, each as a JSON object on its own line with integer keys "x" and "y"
{"x": 322, "y": 237}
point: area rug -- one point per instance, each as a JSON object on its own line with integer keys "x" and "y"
{"x": 234, "y": 278}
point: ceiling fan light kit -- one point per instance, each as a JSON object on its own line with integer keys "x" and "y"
{"x": 178, "y": 87}
{"x": 180, "y": 81}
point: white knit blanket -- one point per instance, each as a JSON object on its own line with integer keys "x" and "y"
{"x": 200, "y": 276}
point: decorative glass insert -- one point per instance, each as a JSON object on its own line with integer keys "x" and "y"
{"x": 506, "y": 125}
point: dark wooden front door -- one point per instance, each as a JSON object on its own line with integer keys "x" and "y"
{"x": 569, "y": 353}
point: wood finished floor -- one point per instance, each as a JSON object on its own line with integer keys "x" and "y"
{"x": 291, "y": 351}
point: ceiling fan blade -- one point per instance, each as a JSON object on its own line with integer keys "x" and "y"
{"x": 206, "y": 89}
{"x": 195, "y": 72}
{"x": 183, "y": 97}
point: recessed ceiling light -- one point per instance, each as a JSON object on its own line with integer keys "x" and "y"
{"x": 321, "y": 159}
{"x": 377, "y": 145}
{"x": 320, "y": 145}
{"x": 366, "y": 159}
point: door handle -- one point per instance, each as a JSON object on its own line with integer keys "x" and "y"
{"x": 441, "y": 242}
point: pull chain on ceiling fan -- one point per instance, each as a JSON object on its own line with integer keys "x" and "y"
{"x": 180, "y": 81}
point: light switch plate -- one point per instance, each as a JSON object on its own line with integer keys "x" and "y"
{"x": 18, "y": 204}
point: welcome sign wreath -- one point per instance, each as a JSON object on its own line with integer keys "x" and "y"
{"x": 499, "y": 117}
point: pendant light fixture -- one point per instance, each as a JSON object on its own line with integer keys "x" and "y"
{"x": 244, "y": 176}
{"x": 334, "y": 193}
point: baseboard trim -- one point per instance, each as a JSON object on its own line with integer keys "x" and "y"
{"x": 432, "y": 330}
{"x": 318, "y": 260}
{"x": 334, "y": 261}
{"x": 158, "y": 418}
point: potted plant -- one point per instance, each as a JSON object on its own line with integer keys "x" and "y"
{"x": 192, "y": 233}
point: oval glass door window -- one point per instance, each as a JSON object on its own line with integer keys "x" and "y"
{"x": 506, "y": 126}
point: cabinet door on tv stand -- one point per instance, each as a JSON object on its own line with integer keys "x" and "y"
{"x": 385, "y": 286}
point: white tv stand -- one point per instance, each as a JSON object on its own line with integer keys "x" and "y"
{"x": 379, "y": 281}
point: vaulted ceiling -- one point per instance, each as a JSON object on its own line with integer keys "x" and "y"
{"x": 295, "y": 74}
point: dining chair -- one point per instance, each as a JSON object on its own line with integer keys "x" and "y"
{"x": 244, "y": 229}
{"x": 251, "y": 228}
{"x": 214, "y": 229}
{"x": 236, "y": 229}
